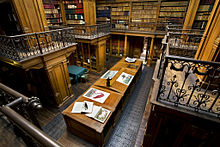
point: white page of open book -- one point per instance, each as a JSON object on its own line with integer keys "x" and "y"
{"x": 94, "y": 111}
{"x": 90, "y": 107}
{"x": 77, "y": 108}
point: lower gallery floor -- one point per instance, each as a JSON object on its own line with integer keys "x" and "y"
{"x": 128, "y": 131}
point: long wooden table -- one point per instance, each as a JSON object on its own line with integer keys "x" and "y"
{"x": 92, "y": 130}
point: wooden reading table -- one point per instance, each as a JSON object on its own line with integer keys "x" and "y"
{"x": 95, "y": 131}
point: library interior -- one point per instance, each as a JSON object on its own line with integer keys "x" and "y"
{"x": 128, "y": 73}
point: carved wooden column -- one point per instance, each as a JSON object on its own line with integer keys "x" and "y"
{"x": 101, "y": 55}
{"x": 125, "y": 45}
{"x": 206, "y": 50}
{"x": 58, "y": 77}
{"x": 89, "y": 7}
{"x": 31, "y": 15}
{"x": 150, "y": 57}
{"x": 191, "y": 14}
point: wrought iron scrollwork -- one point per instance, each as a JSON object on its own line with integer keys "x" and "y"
{"x": 194, "y": 85}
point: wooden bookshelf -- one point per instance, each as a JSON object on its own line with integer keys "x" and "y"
{"x": 103, "y": 13}
{"x": 117, "y": 45}
{"x": 202, "y": 14}
{"x": 120, "y": 16}
{"x": 91, "y": 56}
{"x": 143, "y": 15}
{"x": 52, "y": 12}
{"x": 172, "y": 12}
{"x": 74, "y": 11}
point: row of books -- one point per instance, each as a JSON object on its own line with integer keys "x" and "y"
{"x": 49, "y": 6}
{"x": 50, "y": 1}
{"x": 103, "y": 15}
{"x": 102, "y": 19}
{"x": 53, "y": 15}
{"x": 72, "y": 1}
{"x": 142, "y": 25}
{"x": 141, "y": 12}
{"x": 152, "y": 7}
{"x": 173, "y": 9}
{"x": 205, "y": 8}
{"x": 143, "y": 20}
{"x": 120, "y": 26}
{"x": 75, "y": 22}
{"x": 120, "y": 17}
{"x": 74, "y": 6}
{"x": 207, "y": 1}
{"x": 171, "y": 14}
{"x": 200, "y": 25}
{"x": 74, "y": 16}
{"x": 103, "y": 11}
{"x": 103, "y": 8}
{"x": 74, "y": 11}
{"x": 120, "y": 9}
{"x": 149, "y": 3}
{"x": 145, "y": 8}
{"x": 49, "y": 11}
{"x": 59, "y": 20}
{"x": 120, "y": 13}
{"x": 143, "y": 17}
{"x": 202, "y": 17}
{"x": 171, "y": 20}
{"x": 175, "y": 3}
{"x": 120, "y": 4}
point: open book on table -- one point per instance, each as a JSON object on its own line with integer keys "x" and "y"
{"x": 99, "y": 114}
{"x": 82, "y": 107}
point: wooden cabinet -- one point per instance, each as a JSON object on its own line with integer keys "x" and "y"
{"x": 167, "y": 127}
{"x": 59, "y": 79}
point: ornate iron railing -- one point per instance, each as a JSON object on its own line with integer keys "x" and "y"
{"x": 190, "y": 84}
{"x": 186, "y": 82}
{"x": 25, "y": 46}
{"x": 183, "y": 44}
{"x": 179, "y": 44}
{"x": 91, "y": 31}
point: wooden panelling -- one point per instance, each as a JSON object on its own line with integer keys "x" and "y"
{"x": 211, "y": 35}
{"x": 191, "y": 13}
{"x": 89, "y": 7}
{"x": 31, "y": 15}
{"x": 59, "y": 79}
{"x": 101, "y": 54}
